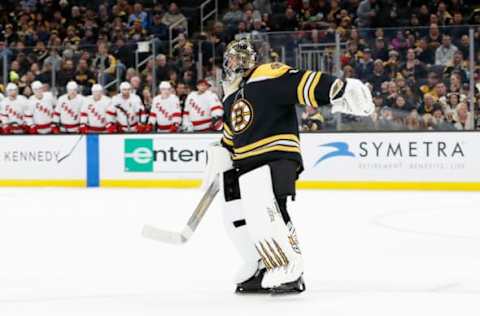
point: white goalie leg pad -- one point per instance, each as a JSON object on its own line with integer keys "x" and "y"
{"x": 219, "y": 160}
{"x": 275, "y": 242}
{"x": 236, "y": 228}
{"x": 356, "y": 99}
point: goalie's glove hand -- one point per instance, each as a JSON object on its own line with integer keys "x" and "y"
{"x": 356, "y": 98}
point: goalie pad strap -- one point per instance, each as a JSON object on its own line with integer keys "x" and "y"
{"x": 239, "y": 223}
{"x": 231, "y": 187}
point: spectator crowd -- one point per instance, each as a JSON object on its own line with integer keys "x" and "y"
{"x": 415, "y": 55}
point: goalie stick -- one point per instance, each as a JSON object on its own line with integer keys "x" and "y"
{"x": 182, "y": 237}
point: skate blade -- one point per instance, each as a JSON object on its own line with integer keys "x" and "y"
{"x": 295, "y": 287}
{"x": 253, "y": 292}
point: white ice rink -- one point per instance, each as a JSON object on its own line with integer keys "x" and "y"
{"x": 79, "y": 252}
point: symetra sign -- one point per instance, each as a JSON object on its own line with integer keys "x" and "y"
{"x": 391, "y": 157}
{"x": 411, "y": 149}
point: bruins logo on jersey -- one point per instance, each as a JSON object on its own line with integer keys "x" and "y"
{"x": 241, "y": 115}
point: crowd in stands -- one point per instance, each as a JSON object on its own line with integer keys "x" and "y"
{"x": 414, "y": 54}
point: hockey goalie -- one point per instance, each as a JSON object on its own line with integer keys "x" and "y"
{"x": 259, "y": 160}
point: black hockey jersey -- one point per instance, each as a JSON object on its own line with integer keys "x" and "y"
{"x": 260, "y": 121}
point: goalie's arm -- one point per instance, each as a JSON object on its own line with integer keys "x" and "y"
{"x": 314, "y": 88}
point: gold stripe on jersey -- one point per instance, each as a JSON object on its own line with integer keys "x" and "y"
{"x": 227, "y": 138}
{"x": 226, "y": 130}
{"x": 291, "y": 138}
{"x": 311, "y": 90}
{"x": 301, "y": 87}
{"x": 266, "y": 150}
{"x": 225, "y": 134}
{"x": 227, "y": 141}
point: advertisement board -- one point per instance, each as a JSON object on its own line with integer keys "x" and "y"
{"x": 404, "y": 160}
{"x": 414, "y": 161}
{"x": 43, "y": 160}
{"x": 331, "y": 160}
{"x": 152, "y": 160}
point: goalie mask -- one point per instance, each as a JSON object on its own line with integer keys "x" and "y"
{"x": 238, "y": 59}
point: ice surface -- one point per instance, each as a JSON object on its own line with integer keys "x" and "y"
{"x": 79, "y": 252}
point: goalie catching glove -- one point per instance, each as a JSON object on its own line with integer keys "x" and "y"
{"x": 355, "y": 100}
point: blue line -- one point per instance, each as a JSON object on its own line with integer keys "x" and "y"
{"x": 93, "y": 161}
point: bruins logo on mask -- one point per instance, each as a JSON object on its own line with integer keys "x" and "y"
{"x": 241, "y": 115}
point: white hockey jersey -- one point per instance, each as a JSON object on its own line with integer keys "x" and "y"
{"x": 93, "y": 113}
{"x": 39, "y": 113}
{"x": 12, "y": 112}
{"x": 165, "y": 112}
{"x": 126, "y": 113}
{"x": 67, "y": 113}
{"x": 200, "y": 108}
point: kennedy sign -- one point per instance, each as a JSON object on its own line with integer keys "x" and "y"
{"x": 42, "y": 157}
